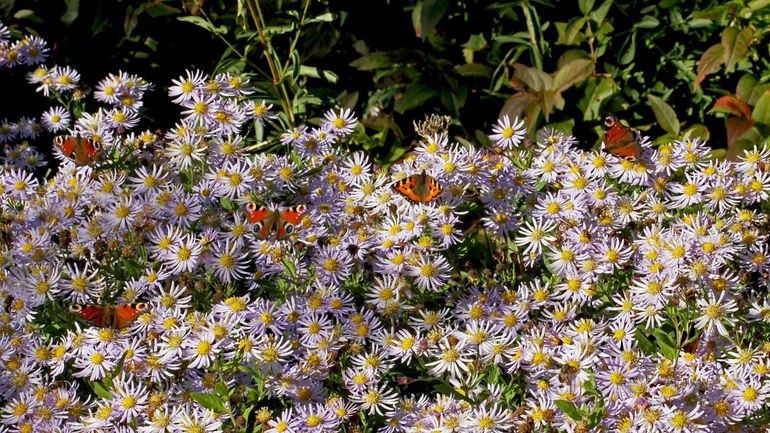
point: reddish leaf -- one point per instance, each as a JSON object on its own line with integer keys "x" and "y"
{"x": 709, "y": 62}
{"x": 736, "y": 127}
{"x": 534, "y": 78}
{"x": 735, "y": 43}
{"x": 733, "y": 105}
{"x": 516, "y": 104}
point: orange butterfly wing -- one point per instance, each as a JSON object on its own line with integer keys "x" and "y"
{"x": 66, "y": 143}
{"x": 123, "y": 315}
{"x": 85, "y": 150}
{"x": 419, "y": 188}
{"x": 261, "y": 218}
{"x": 265, "y": 220}
{"x": 620, "y": 140}
{"x": 434, "y": 189}
{"x": 289, "y": 218}
{"x": 92, "y": 313}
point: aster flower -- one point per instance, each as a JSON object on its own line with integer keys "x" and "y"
{"x": 342, "y": 123}
{"x": 226, "y": 261}
{"x": 183, "y": 257}
{"x": 535, "y": 235}
{"x": 430, "y": 272}
{"x": 94, "y": 364}
{"x": 714, "y": 311}
{"x": 451, "y": 359}
{"x": 56, "y": 119}
{"x": 376, "y": 400}
{"x": 195, "y": 420}
{"x": 184, "y": 88}
{"x": 64, "y": 78}
{"x": 506, "y": 134}
{"x": 333, "y": 265}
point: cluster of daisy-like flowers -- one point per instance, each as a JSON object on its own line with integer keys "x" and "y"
{"x": 543, "y": 289}
{"x": 27, "y": 51}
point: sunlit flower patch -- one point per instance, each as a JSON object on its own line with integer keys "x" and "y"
{"x": 188, "y": 280}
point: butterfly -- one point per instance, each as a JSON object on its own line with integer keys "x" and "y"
{"x": 114, "y": 316}
{"x": 282, "y": 221}
{"x": 619, "y": 139}
{"x": 85, "y": 149}
{"x": 419, "y": 188}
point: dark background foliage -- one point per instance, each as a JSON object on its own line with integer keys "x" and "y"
{"x": 672, "y": 68}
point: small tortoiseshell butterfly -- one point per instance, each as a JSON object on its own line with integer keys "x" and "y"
{"x": 619, "y": 139}
{"x": 265, "y": 221}
{"x": 85, "y": 150}
{"x": 114, "y": 316}
{"x": 419, "y": 188}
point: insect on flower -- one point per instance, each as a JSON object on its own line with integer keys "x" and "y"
{"x": 85, "y": 150}
{"x": 114, "y": 316}
{"x": 619, "y": 139}
{"x": 282, "y": 221}
{"x": 419, "y": 188}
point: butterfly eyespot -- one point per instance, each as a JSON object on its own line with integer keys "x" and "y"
{"x": 251, "y": 207}
{"x": 76, "y": 308}
{"x": 288, "y": 228}
{"x": 301, "y": 208}
{"x": 141, "y": 306}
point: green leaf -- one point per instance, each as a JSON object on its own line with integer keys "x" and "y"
{"x": 745, "y": 86}
{"x": 222, "y": 390}
{"x": 761, "y": 112}
{"x": 474, "y": 70}
{"x": 227, "y": 204}
{"x": 573, "y": 73}
{"x": 72, "y": 12}
{"x": 735, "y": 43}
{"x": 426, "y": 15}
{"x": 756, "y": 93}
{"x": 475, "y": 43}
{"x": 200, "y": 22}
{"x": 628, "y": 50}
{"x": 158, "y": 9}
{"x": 758, "y": 5}
{"x": 101, "y": 390}
{"x": 664, "y": 114}
{"x": 210, "y": 401}
{"x": 414, "y": 96}
{"x": 644, "y": 342}
{"x": 290, "y": 268}
{"x": 372, "y": 61}
{"x": 709, "y": 62}
{"x": 596, "y": 92}
{"x": 570, "y": 409}
{"x": 323, "y": 18}
{"x": 601, "y": 12}
{"x": 22, "y": 14}
{"x": 569, "y": 33}
{"x": 697, "y": 130}
{"x": 666, "y": 344}
{"x": 310, "y": 71}
{"x": 585, "y": 6}
{"x": 647, "y": 22}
